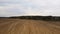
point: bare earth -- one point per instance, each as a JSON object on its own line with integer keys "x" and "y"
{"x": 20, "y": 26}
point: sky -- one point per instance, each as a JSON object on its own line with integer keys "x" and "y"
{"x": 29, "y": 7}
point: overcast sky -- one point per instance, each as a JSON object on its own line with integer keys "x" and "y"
{"x": 29, "y": 7}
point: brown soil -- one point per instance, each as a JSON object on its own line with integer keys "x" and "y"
{"x": 20, "y": 26}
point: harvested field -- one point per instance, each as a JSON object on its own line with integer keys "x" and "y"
{"x": 23, "y": 26}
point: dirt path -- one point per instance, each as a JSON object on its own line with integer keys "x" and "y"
{"x": 28, "y": 27}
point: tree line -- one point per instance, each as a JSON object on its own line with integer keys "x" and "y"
{"x": 38, "y": 17}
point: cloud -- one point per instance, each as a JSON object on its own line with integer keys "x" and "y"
{"x": 29, "y": 7}
{"x": 11, "y": 9}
